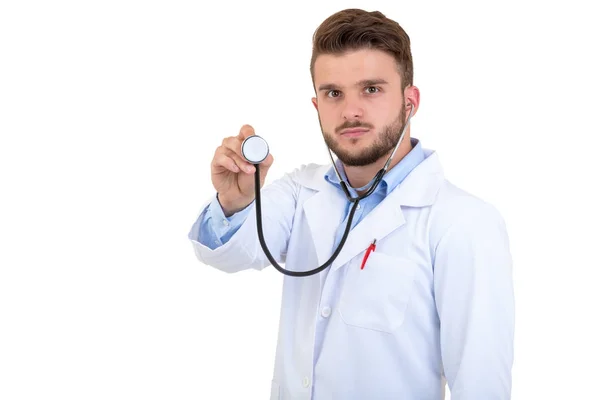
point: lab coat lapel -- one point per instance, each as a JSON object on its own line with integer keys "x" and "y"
{"x": 418, "y": 189}
{"x": 324, "y": 211}
{"x": 380, "y": 222}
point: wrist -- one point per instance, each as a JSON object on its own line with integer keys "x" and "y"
{"x": 231, "y": 207}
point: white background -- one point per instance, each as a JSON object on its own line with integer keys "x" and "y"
{"x": 109, "y": 115}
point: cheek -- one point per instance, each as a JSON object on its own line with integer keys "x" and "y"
{"x": 327, "y": 118}
{"x": 384, "y": 115}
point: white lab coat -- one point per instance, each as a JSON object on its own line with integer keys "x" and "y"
{"x": 434, "y": 302}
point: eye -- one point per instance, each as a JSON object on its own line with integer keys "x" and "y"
{"x": 372, "y": 89}
{"x": 333, "y": 93}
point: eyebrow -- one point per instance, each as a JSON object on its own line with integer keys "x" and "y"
{"x": 364, "y": 82}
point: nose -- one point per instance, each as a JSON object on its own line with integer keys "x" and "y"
{"x": 352, "y": 108}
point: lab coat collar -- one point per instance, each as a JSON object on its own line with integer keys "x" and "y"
{"x": 391, "y": 179}
{"x": 416, "y": 191}
{"x": 324, "y": 210}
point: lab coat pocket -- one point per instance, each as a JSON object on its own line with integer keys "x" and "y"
{"x": 376, "y": 297}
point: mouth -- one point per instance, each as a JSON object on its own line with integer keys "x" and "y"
{"x": 354, "y": 132}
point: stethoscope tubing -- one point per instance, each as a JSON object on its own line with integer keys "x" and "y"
{"x": 354, "y": 200}
{"x": 263, "y": 244}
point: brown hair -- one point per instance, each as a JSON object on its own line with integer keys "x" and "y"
{"x": 355, "y": 29}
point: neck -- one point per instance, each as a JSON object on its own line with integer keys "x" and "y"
{"x": 361, "y": 176}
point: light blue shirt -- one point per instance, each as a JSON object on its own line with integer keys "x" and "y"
{"x": 216, "y": 229}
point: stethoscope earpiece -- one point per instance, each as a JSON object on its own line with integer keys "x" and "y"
{"x": 255, "y": 149}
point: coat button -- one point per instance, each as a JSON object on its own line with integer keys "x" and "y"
{"x": 326, "y": 312}
{"x": 305, "y": 382}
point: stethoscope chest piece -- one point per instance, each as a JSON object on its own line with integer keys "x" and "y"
{"x": 255, "y": 149}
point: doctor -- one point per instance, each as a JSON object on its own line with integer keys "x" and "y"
{"x": 432, "y": 303}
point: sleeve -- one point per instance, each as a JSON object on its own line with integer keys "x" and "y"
{"x": 213, "y": 229}
{"x": 231, "y": 244}
{"x": 475, "y": 302}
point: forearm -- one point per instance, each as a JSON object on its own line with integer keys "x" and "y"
{"x": 231, "y": 243}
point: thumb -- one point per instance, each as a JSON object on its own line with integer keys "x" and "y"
{"x": 264, "y": 167}
{"x": 245, "y": 131}
{"x": 267, "y": 162}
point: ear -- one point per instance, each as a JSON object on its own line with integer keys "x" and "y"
{"x": 314, "y": 101}
{"x": 412, "y": 96}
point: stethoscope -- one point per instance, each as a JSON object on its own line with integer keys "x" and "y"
{"x": 255, "y": 150}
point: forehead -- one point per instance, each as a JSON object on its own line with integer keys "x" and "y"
{"x": 354, "y": 66}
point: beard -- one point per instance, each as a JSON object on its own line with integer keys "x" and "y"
{"x": 384, "y": 143}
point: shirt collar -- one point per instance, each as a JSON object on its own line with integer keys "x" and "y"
{"x": 392, "y": 178}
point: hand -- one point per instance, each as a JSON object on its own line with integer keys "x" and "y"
{"x": 232, "y": 176}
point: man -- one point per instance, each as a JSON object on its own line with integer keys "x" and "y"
{"x": 432, "y": 302}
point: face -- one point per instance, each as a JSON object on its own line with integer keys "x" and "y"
{"x": 360, "y": 104}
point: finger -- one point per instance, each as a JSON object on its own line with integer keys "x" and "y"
{"x": 222, "y": 161}
{"x": 245, "y": 131}
{"x": 233, "y": 143}
{"x": 240, "y": 161}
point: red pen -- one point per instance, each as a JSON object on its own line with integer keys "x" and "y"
{"x": 369, "y": 250}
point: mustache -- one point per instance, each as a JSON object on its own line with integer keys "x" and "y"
{"x": 352, "y": 124}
